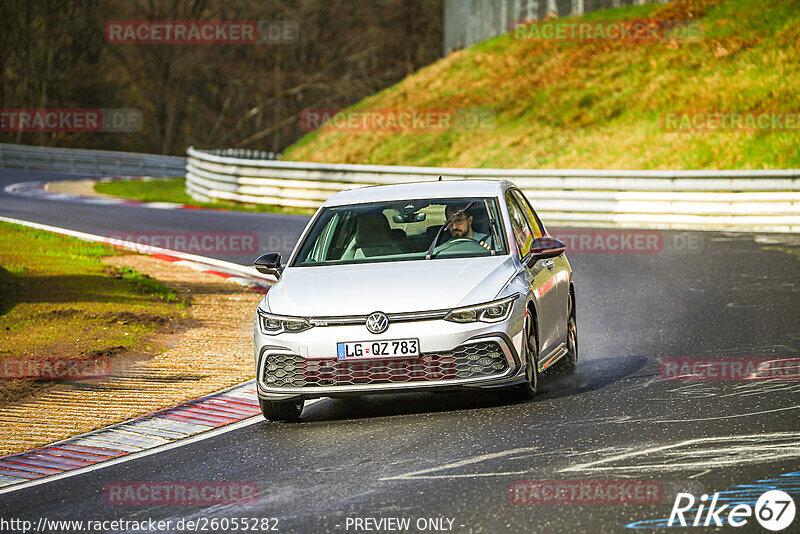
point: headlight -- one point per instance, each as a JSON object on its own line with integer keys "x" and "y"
{"x": 491, "y": 312}
{"x": 277, "y": 324}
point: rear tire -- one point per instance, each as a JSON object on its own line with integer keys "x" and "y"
{"x": 285, "y": 411}
{"x": 530, "y": 355}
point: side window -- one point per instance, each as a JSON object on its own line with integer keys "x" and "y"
{"x": 533, "y": 219}
{"x": 522, "y": 231}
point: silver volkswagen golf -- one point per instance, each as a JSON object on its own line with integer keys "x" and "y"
{"x": 421, "y": 286}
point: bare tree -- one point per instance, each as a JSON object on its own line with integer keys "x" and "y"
{"x": 249, "y": 95}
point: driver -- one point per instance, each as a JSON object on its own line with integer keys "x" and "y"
{"x": 462, "y": 227}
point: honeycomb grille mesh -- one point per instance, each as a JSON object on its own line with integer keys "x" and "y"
{"x": 466, "y": 361}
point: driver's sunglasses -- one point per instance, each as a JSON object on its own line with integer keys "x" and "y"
{"x": 461, "y": 219}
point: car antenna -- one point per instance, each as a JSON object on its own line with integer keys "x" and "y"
{"x": 440, "y": 178}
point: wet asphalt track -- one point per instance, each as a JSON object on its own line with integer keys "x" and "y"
{"x": 455, "y": 455}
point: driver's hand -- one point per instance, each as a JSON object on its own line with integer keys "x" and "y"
{"x": 485, "y": 245}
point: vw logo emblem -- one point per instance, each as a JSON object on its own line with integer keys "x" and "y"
{"x": 377, "y": 323}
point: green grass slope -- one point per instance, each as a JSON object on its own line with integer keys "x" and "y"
{"x": 599, "y": 104}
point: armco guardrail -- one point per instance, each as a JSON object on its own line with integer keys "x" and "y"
{"x": 713, "y": 200}
{"x": 89, "y": 162}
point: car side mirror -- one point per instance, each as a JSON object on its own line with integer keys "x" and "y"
{"x": 269, "y": 263}
{"x": 545, "y": 247}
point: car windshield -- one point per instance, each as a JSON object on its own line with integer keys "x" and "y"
{"x": 403, "y": 230}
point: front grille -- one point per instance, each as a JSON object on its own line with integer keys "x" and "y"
{"x": 466, "y": 361}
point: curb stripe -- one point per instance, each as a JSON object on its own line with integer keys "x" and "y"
{"x": 228, "y": 411}
{"x": 228, "y": 415}
{"x": 232, "y": 404}
{"x": 20, "y": 474}
{"x": 117, "y": 446}
{"x": 91, "y": 458}
{"x": 66, "y": 462}
{"x": 147, "y": 431}
{"x": 165, "y": 257}
{"x": 247, "y": 402}
{"x": 218, "y": 273}
{"x": 32, "y": 469}
{"x": 185, "y": 419}
{"x": 38, "y": 463}
{"x": 203, "y": 416}
{"x": 100, "y": 452}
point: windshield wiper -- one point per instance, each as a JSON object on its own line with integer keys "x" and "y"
{"x": 450, "y": 221}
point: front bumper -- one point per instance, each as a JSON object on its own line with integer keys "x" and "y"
{"x": 453, "y": 356}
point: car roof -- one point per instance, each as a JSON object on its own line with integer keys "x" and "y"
{"x": 413, "y": 190}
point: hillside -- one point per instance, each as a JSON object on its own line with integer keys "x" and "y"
{"x": 600, "y": 104}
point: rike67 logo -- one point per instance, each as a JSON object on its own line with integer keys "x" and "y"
{"x": 774, "y": 510}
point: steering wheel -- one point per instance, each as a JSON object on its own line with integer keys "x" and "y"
{"x": 461, "y": 240}
{"x": 447, "y": 245}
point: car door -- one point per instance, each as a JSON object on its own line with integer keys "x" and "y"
{"x": 559, "y": 266}
{"x": 538, "y": 277}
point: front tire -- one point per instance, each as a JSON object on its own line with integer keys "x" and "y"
{"x": 285, "y": 411}
{"x": 530, "y": 347}
{"x": 571, "y": 359}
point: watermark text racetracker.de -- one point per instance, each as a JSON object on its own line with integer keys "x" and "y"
{"x": 398, "y": 119}
{"x": 70, "y": 120}
{"x": 631, "y": 31}
{"x": 152, "y": 493}
{"x": 201, "y": 32}
{"x": 585, "y": 492}
{"x": 221, "y": 243}
{"x": 703, "y": 121}
{"x": 613, "y": 241}
{"x": 55, "y": 368}
{"x": 719, "y": 369}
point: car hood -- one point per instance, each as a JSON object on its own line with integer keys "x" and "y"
{"x": 409, "y": 286}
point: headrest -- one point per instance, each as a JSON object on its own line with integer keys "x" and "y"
{"x": 372, "y": 229}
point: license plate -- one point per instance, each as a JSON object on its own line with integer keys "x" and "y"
{"x": 392, "y": 348}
